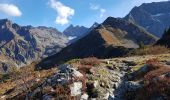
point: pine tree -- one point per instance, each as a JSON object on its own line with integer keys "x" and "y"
{"x": 166, "y": 32}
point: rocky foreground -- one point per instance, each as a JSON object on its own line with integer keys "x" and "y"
{"x": 129, "y": 78}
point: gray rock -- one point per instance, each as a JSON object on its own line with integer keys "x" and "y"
{"x": 84, "y": 97}
{"x": 132, "y": 86}
{"x": 168, "y": 62}
{"x": 130, "y": 62}
{"x": 76, "y": 88}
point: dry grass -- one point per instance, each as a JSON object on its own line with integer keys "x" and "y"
{"x": 22, "y": 76}
{"x": 92, "y": 61}
{"x": 149, "y": 50}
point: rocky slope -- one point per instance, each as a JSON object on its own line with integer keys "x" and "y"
{"x": 24, "y": 44}
{"x": 154, "y": 17}
{"x": 91, "y": 78}
{"x": 114, "y": 37}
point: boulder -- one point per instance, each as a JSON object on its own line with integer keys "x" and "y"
{"x": 76, "y": 88}
{"x": 84, "y": 97}
{"x": 168, "y": 62}
{"x": 106, "y": 96}
{"x": 130, "y": 62}
{"x": 111, "y": 97}
{"x": 132, "y": 86}
{"x": 76, "y": 73}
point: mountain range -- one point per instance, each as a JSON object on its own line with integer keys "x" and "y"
{"x": 24, "y": 44}
{"x": 119, "y": 59}
{"x": 114, "y": 37}
{"x": 75, "y": 33}
{"x": 154, "y": 17}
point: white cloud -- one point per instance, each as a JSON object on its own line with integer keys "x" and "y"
{"x": 102, "y": 12}
{"x": 64, "y": 12}
{"x": 10, "y": 10}
{"x": 98, "y": 8}
{"x": 94, "y": 7}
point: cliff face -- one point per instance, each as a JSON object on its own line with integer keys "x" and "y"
{"x": 24, "y": 44}
{"x": 154, "y": 17}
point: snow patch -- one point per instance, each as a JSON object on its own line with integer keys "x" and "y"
{"x": 72, "y": 37}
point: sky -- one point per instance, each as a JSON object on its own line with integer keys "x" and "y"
{"x": 61, "y": 13}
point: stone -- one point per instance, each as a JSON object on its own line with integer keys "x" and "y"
{"x": 96, "y": 83}
{"x": 132, "y": 86}
{"x": 130, "y": 62}
{"x": 3, "y": 97}
{"x": 102, "y": 84}
{"x": 84, "y": 97}
{"x": 92, "y": 71}
{"x": 77, "y": 73}
{"x": 168, "y": 75}
{"x": 47, "y": 97}
{"x": 168, "y": 62}
{"x": 115, "y": 85}
{"x": 106, "y": 96}
{"x": 76, "y": 88}
{"x": 111, "y": 97}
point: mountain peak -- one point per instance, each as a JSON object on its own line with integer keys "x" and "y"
{"x": 154, "y": 17}
{"x": 94, "y": 25}
{"x": 6, "y": 23}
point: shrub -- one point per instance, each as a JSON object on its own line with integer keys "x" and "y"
{"x": 85, "y": 69}
{"x": 153, "y": 64}
{"x": 156, "y": 83}
{"x": 92, "y": 91}
{"x": 63, "y": 92}
{"x": 92, "y": 61}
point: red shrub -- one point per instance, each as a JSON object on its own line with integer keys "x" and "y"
{"x": 92, "y": 61}
{"x": 155, "y": 81}
{"x": 86, "y": 69}
{"x": 153, "y": 64}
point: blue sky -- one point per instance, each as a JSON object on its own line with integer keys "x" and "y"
{"x": 61, "y": 13}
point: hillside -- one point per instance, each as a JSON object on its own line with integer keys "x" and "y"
{"x": 113, "y": 38}
{"x": 114, "y": 78}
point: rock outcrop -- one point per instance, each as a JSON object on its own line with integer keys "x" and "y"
{"x": 24, "y": 44}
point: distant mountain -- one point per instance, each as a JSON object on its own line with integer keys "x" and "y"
{"x": 94, "y": 26}
{"x": 154, "y": 17}
{"x": 114, "y": 37}
{"x": 165, "y": 40}
{"x": 74, "y": 33}
{"x": 24, "y": 44}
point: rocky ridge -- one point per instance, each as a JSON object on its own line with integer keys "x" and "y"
{"x": 154, "y": 17}
{"x": 24, "y": 44}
